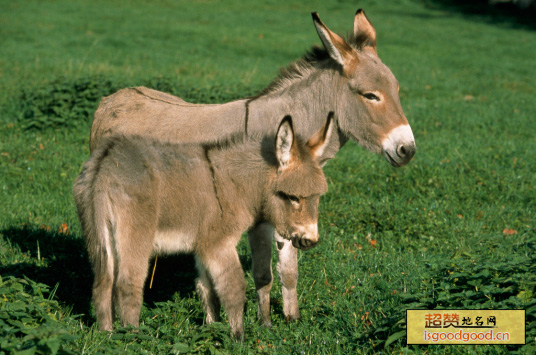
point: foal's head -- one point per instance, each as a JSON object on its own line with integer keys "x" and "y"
{"x": 292, "y": 205}
{"x": 369, "y": 107}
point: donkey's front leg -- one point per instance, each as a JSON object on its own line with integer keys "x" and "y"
{"x": 260, "y": 242}
{"x": 207, "y": 293}
{"x": 287, "y": 267}
{"x": 225, "y": 269}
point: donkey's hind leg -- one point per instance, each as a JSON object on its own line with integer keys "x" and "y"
{"x": 287, "y": 268}
{"x": 102, "y": 290}
{"x": 133, "y": 265}
{"x": 207, "y": 293}
{"x": 260, "y": 241}
{"x": 225, "y": 269}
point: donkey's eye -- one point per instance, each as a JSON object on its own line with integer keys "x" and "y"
{"x": 293, "y": 199}
{"x": 370, "y": 96}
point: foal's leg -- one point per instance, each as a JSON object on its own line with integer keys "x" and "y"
{"x": 224, "y": 267}
{"x": 103, "y": 269}
{"x": 134, "y": 248}
{"x": 287, "y": 268}
{"x": 260, "y": 242}
{"x": 207, "y": 293}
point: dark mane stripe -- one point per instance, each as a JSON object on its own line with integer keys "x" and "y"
{"x": 297, "y": 69}
{"x": 305, "y": 64}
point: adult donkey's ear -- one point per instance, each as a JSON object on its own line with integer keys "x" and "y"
{"x": 337, "y": 47}
{"x": 284, "y": 143}
{"x": 364, "y": 35}
{"x": 320, "y": 140}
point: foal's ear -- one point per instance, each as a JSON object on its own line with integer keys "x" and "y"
{"x": 284, "y": 142}
{"x": 364, "y": 33}
{"x": 337, "y": 47}
{"x": 320, "y": 140}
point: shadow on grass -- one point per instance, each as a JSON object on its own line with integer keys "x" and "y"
{"x": 66, "y": 263}
{"x": 500, "y": 13}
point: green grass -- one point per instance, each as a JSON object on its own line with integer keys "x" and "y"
{"x": 439, "y": 223}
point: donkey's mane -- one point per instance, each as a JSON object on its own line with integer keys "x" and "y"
{"x": 309, "y": 62}
{"x": 229, "y": 141}
{"x": 298, "y": 69}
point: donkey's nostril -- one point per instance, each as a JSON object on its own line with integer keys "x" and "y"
{"x": 406, "y": 151}
{"x": 401, "y": 151}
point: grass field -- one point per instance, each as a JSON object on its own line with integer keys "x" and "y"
{"x": 456, "y": 228}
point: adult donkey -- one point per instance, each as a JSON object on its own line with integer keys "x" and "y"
{"x": 345, "y": 79}
{"x": 137, "y": 197}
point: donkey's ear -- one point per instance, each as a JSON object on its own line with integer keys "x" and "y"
{"x": 320, "y": 140}
{"x": 337, "y": 47}
{"x": 364, "y": 33}
{"x": 284, "y": 142}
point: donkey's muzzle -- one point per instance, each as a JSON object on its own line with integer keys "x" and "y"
{"x": 399, "y": 146}
{"x": 303, "y": 243}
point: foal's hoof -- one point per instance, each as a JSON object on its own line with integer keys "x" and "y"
{"x": 238, "y": 336}
{"x": 292, "y": 318}
{"x": 266, "y": 323}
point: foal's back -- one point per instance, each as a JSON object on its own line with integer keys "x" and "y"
{"x": 175, "y": 192}
{"x": 166, "y": 184}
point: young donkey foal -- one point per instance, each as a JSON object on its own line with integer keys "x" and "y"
{"x": 137, "y": 197}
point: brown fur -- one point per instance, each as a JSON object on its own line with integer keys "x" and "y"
{"x": 138, "y": 197}
{"x": 332, "y": 80}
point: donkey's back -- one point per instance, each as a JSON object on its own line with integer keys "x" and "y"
{"x": 152, "y": 185}
{"x": 134, "y": 111}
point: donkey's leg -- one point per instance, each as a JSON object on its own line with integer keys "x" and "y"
{"x": 260, "y": 241}
{"x": 129, "y": 289}
{"x": 134, "y": 248}
{"x": 224, "y": 267}
{"x": 287, "y": 268}
{"x": 207, "y": 293}
{"x": 103, "y": 269}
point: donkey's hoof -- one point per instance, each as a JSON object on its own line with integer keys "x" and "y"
{"x": 292, "y": 318}
{"x": 266, "y": 323}
{"x": 238, "y": 336}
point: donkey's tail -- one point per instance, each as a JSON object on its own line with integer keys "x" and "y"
{"x": 96, "y": 217}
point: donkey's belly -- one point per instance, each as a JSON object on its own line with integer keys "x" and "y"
{"x": 171, "y": 241}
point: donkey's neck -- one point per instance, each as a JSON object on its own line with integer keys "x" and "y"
{"x": 241, "y": 176}
{"x": 308, "y": 99}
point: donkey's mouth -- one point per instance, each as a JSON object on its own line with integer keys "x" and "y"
{"x": 303, "y": 237}
{"x": 303, "y": 243}
{"x": 390, "y": 159}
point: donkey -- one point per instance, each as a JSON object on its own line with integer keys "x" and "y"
{"x": 345, "y": 79}
{"x": 138, "y": 197}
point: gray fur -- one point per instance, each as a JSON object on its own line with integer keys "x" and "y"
{"x": 323, "y": 83}
{"x": 137, "y": 197}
